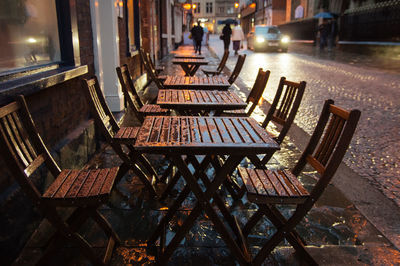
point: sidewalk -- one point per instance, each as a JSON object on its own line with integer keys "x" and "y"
{"x": 335, "y": 231}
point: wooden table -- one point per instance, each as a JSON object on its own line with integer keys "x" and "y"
{"x": 199, "y": 100}
{"x": 181, "y": 138}
{"x": 201, "y": 83}
{"x": 189, "y": 65}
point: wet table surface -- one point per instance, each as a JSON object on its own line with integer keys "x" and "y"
{"x": 206, "y": 100}
{"x": 188, "y": 56}
{"x": 190, "y": 65}
{"x": 202, "y": 83}
{"x": 203, "y": 135}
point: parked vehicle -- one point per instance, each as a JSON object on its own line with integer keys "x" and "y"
{"x": 263, "y": 37}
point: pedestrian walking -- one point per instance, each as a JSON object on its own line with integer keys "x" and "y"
{"x": 324, "y": 30}
{"x": 237, "y": 37}
{"x": 226, "y": 35}
{"x": 197, "y": 35}
{"x": 332, "y": 34}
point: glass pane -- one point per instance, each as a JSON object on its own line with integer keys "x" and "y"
{"x": 29, "y": 33}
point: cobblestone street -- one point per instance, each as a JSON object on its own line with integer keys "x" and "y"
{"x": 375, "y": 150}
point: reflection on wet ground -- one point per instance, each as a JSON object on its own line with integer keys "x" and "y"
{"x": 334, "y": 230}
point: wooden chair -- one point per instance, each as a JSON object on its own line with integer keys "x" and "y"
{"x": 282, "y": 112}
{"x": 237, "y": 69}
{"x": 254, "y": 96}
{"x": 214, "y": 72}
{"x": 118, "y": 137}
{"x": 132, "y": 97}
{"x": 146, "y": 58}
{"x": 268, "y": 188}
{"x": 24, "y": 152}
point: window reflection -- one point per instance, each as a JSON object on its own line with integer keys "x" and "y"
{"x": 29, "y": 33}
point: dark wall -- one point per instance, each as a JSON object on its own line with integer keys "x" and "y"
{"x": 300, "y": 30}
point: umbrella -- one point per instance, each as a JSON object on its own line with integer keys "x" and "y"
{"x": 227, "y": 21}
{"x": 325, "y": 15}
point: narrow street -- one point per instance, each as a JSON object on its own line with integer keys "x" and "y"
{"x": 375, "y": 91}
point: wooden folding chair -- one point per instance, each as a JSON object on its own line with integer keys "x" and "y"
{"x": 254, "y": 96}
{"x": 237, "y": 69}
{"x": 268, "y": 188}
{"x": 282, "y": 112}
{"x": 214, "y": 72}
{"x": 146, "y": 57}
{"x": 85, "y": 190}
{"x": 132, "y": 97}
{"x": 118, "y": 137}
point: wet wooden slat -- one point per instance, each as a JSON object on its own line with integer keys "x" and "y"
{"x": 156, "y": 130}
{"x": 55, "y": 186}
{"x": 258, "y": 186}
{"x": 232, "y": 131}
{"x": 242, "y": 131}
{"x": 205, "y": 135}
{"x": 18, "y": 138}
{"x": 85, "y": 189}
{"x": 246, "y": 179}
{"x": 10, "y": 135}
{"x": 212, "y": 128}
{"x": 98, "y": 183}
{"x": 67, "y": 184}
{"x": 262, "y": 175}
{"x": 276, "y": 184}
{"x": 226, "y": 138}
{"x": 296, "y": 183}
{"x": 77, "y": 185}
{"x": 109, "y": 181}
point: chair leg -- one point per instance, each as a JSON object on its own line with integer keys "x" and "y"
{"x": 67, "y": 232}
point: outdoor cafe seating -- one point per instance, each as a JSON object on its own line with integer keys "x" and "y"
{"x": 205, "y": 132}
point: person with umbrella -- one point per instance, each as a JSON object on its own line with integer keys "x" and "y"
{"x": 226, "y": 35}
{"x": 324, "y": 30}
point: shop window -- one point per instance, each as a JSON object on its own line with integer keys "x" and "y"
{"x": 29, "y": 35}
{"x": 133, "y": 25}
{"x": 197, "y": 9}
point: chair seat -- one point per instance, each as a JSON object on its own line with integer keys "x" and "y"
{"x": 266, "y": 186}
{"x": 210, "y": 71}
{"x": 127, "y": 133}
{"x": 162, "y": 77}
{"x": 239, "y": 112}
{"x": 81, "y": 187}
{"x": 153, "y": 109}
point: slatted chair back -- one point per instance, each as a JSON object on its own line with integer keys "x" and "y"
{"x": 22, "y": 147}
{"x": 128, "y": 89}
{"x": 222, "y": 63}
{"x": 257, "y": 90}
{"x": 237, "y": 69}
{"x": 102, "y": 114}
{"x": 152, "y": 72}
{"x": 328, "y": 145}
{"x": 285, "y": 105}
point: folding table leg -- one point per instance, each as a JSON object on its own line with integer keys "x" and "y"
{"x": 203, "y": 202}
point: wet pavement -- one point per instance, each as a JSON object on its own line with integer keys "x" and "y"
{"x": 362, "y": 82}
{"x": 336, "y": 232}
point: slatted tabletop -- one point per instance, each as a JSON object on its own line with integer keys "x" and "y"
{"x": 189, "y": 61}
{"x": 189, "y": 56}
{"x": 184, "y": 82}
{"x": 203, "y": 135}
{"x": 200, "y": 100}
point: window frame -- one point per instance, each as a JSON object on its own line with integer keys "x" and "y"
{"x": 209, "y": 7}
{"x": 68, "y": 38}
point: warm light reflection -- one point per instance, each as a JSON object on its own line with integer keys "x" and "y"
{"x": 194, "y": 6}
{"x": 187, "y": 6}
{"x": 32, "y": 40}
{"x": 253, "y": 5}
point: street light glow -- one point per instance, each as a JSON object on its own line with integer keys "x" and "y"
{"x": 187, "y": 6}
{"x": 236, "y": 5}
{"x": 194, "y": 6}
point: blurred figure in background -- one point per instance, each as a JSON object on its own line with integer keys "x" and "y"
{"x": 226, "y": 35}
{"x": 237, "y": 37}
{"x": 197, "y": 35}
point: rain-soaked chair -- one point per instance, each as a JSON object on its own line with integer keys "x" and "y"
{"x": 84, "y": 191}
{"x": 282, "y": 112}
{"x": 133, "y": 99}
{"x": 268, "y": 188}
{"x": 119, "y": 137}
{"x": 146, "y": 58}
{"x": 214, "y": 72}
{"x": 254, "y": 96}
{"x": 237, "y": 69}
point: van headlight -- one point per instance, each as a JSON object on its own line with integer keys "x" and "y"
{"x": 260, "y": 39}
{"x": 285, "y": 39}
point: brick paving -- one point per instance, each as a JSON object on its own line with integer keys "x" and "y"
{"x": 353, "y": 82}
